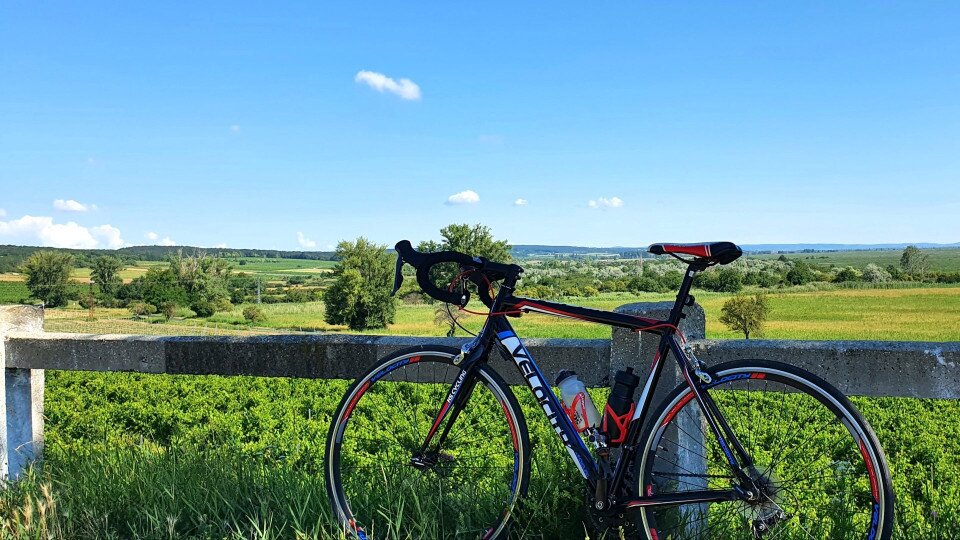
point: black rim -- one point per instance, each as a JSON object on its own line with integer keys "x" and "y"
{"x": 815, "y": 472}
{"x": 382, "y": 482}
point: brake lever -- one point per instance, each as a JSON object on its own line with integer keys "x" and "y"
{"x": 398, "y": 276}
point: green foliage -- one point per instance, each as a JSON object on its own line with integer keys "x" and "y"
{"x": 242, "y": 457}
{"x": 105, "y": 273}
{"x": 48, "y": 276}
{"x": 745, "y": 314}
{"x": 847, "y": 274}
{"x": 168, "y": 309}
{"x": 254, "y": 314}
{"x": 141, "y": 309}
{"x": 88, "y": 301}
{"x": 720, "y": 280}
{"x": 800, "y": 274}
{"x": 360, "y": 295}
{"x": 158, "y": 287}
{"x": 913, "y": 261}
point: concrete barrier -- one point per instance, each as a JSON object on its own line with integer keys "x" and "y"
{"x": 875, "y": 368}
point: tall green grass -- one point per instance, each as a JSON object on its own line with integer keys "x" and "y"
{"x": 136, "y": 456}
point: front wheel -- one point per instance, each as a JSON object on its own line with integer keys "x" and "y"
{"x": 817, "y": 466}
{"x": 383, "y": 485}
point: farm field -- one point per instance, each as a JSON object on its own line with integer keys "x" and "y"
{"x": 908, "y": 314}
{"x": 943, "y": 259}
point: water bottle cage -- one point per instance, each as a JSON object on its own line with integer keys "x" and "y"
{"x": 621, "y": 421}
{"x": 577, "y": 408}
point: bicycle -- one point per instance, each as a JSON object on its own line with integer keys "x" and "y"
{"x": 744, "y": 449}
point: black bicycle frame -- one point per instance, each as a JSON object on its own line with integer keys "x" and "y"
{"x": 498, "y": 333}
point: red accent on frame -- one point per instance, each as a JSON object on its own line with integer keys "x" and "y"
{"x": 440, "y": 416}
{"x": 554, "y": 311}
{"x": 758, "y": 376}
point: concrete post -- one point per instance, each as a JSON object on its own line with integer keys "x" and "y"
{"x": 21, "y": 402}
{"x": 637, "y": 350}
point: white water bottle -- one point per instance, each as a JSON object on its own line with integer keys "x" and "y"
{"x": 576, "y": 401}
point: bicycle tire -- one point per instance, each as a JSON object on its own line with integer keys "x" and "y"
{"x": 386, "y": 495}
{"x": 843, "y": 492}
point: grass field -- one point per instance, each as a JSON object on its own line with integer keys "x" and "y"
{"x": 147, "y": 456}
{"x": 945, "y": 259}
{"x": 910, "y": 314}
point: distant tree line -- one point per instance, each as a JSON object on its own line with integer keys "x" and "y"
{"x": 12, "y": 257}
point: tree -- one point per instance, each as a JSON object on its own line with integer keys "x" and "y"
{"x": 913, "y": 261}
{"x": 745, "y": 314}
{"x": 360, "y": 294}
{"x": 48, "y": 276}
{"x": 476, "y": 240}
{"x": 106, "y": 274}
{"x": 800, "y": 274}
{"x": 846, "y": 274}
{"x": 874, "y": 274}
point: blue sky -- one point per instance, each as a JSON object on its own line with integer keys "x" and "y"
{"x": 223, "y": 123}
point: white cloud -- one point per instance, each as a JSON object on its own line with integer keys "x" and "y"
{"x": 167, "y": 241}
{"x": 521, "y": 202}
{"x": 2, "y": 212}
{"x": 221, "y": 245}
{"x": 235, "y": 129}
{"x": 464, "y": 197}
{"x": 304, "y": 241}
{"x": 42, "y": 229}
{"x": 110, "y": 236}
{"x": 603, "y": 202}
{"x": 152, "y": 236}
{"x": 405, "y": 88}
{"x": 71, "y": 205}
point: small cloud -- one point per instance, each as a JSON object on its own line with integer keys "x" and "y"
{"x": 405, "y": 88}
{"x": 464, "y": 197}
{"x": 110, "y": 235}
{"x": 305, "y": 242}
{"x": 491, "y": 139}
{"x": 71, "y": 205}
{"x": 521, "y": 202}
{"x": 221, "y": 245}
{"x": 167, "y": 241}
{"x": 91, "y": 160}
{"x": 603, "y": 202}
{"x": 235, "y": 129}
{"x": 2, "y": 212}
{"x": 152, "y": 236}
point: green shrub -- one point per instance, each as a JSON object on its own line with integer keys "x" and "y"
{"x": 254, "y": 314}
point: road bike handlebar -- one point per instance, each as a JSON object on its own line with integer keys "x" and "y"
{"x": 485, "y": 272}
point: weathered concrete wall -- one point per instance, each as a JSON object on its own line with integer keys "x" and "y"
{"x": 869, "y": 368}
{"x": 306, "y": 356}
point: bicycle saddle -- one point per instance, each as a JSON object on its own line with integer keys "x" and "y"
{"x": 717, "y": 252}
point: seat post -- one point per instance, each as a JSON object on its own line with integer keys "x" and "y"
{"x": 684, "y": 293}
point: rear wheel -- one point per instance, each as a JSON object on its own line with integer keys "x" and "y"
{"x": 818, "y": 469}
{"x": 381, "y": 484}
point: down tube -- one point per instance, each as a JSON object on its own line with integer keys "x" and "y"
{"x": 548, "y": 400}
